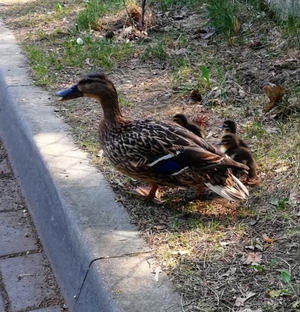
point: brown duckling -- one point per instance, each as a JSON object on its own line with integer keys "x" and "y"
{"x": 182, "y": 120}
{"x": 229, "y": 126}
{"x": 230, "y": 144}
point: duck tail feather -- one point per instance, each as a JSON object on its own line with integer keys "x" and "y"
{"x": 234, "y": 192}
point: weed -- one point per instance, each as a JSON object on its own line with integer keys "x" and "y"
{"x": 280, "y": 203}
{"x": 205, "y": 75}
{"x": 89, "y": 17}
{"x": 223, "y": 16}
{"x": 155, "y": 51}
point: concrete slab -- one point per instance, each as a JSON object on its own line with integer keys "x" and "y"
{"x": 50, "y": 309}
{"x": 73, "y": 207}
{"x": 134, "y": 283}
{"x": 24, "y": 280}
{"x": 16, "y": 233}
{"x": 2, "y": 306}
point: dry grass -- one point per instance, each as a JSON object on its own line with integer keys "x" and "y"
{"x": 207, "y": 245}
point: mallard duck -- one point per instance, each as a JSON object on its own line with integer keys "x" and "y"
{"x": 229, "y": 126}
{"x": 159, "y": 153}
{"x": 182, "y": 120}
{"x": 230, "y": 144}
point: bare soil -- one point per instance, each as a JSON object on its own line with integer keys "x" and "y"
{"x": 220, "y": 256}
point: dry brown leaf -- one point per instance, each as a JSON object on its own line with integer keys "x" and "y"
{"x": 267, "y": 239}
{"x": 275, "y": 94}
{"x": 282, "y": 169}
{"x": 236, "y": 26}
{"x": 240, "y": 301}
{"x": 253, "y": 258}
{"x": 268, "y": 107}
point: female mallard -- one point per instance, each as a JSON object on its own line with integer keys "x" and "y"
{"x": 229, "y": 126}
{"x": 155, "y": 152}
{"x": 182, "y": 120}
{"x": 230, "y": 144}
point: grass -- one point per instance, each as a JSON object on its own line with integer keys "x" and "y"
{"x": 200, "y": 243}
{"x": 223, "y": 16}
{"x": 89, "y": 17}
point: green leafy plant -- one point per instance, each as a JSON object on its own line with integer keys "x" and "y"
{"x": 280, "y": 203}
{"x": 205, "y": 75}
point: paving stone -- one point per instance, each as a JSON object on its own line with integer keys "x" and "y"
{"x": 50, "y": 309}
{"x": 16, "y": 233}
{"x": 25, "y": 281}
{"x": 1, "y": 305}
{"x": 11, "y": 198}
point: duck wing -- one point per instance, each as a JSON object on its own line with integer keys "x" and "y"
{"x": 170, "y": 149}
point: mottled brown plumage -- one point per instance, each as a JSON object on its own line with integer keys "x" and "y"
{"x": 240, "y": 154}
{"x": 159, "y": 153}
{"x": 229, "y": 126}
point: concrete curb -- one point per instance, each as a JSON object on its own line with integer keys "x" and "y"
{"x": 100, "y": 261}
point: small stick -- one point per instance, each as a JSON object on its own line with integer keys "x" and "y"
{"x": 142, "y": 22}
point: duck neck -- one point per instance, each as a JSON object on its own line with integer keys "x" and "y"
{"x": 111, "y": 110}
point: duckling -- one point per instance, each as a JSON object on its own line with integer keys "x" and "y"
{"x": 182, "y": 120}
{"x": 230, "y": 144}
{"x": 156, "y": 152}
{"x": 229, "y": 126}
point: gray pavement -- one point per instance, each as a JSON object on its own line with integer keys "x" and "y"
{"x": 98, "y": 257}
{"x": 26, "y": 279}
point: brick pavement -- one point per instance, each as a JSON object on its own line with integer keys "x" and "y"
{"x": 26, "y": 280}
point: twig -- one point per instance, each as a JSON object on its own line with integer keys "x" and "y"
{"x": 142, "y": 22}
{"x": 181, "y": 301}
{"x": 215, "y": 293}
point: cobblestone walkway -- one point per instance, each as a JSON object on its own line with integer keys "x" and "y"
{"x": 26, "y": 280}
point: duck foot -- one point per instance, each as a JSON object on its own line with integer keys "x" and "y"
{"x": 199, "y": 191}
{"x": 147, "y": 192}
{"x": 251, "y": 182}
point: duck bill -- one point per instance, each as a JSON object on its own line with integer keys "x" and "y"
{"x": 69, "y": 93}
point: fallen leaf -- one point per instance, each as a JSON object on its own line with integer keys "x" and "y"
{"x": 230, "y": 272}
{"x": 282, "y": 169}
{"x": 285, "y": 276}
{"x": 267, "y": 239}
{"x": 274, "y": 293}
{"x": 157, "y": 271}
{"x": 277, "y": 293}
{"x": 240, "y": 301}
{"x": 253, "y": 258}
{"x": 100, "y": 153}
{"x": 275, "y": 94}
